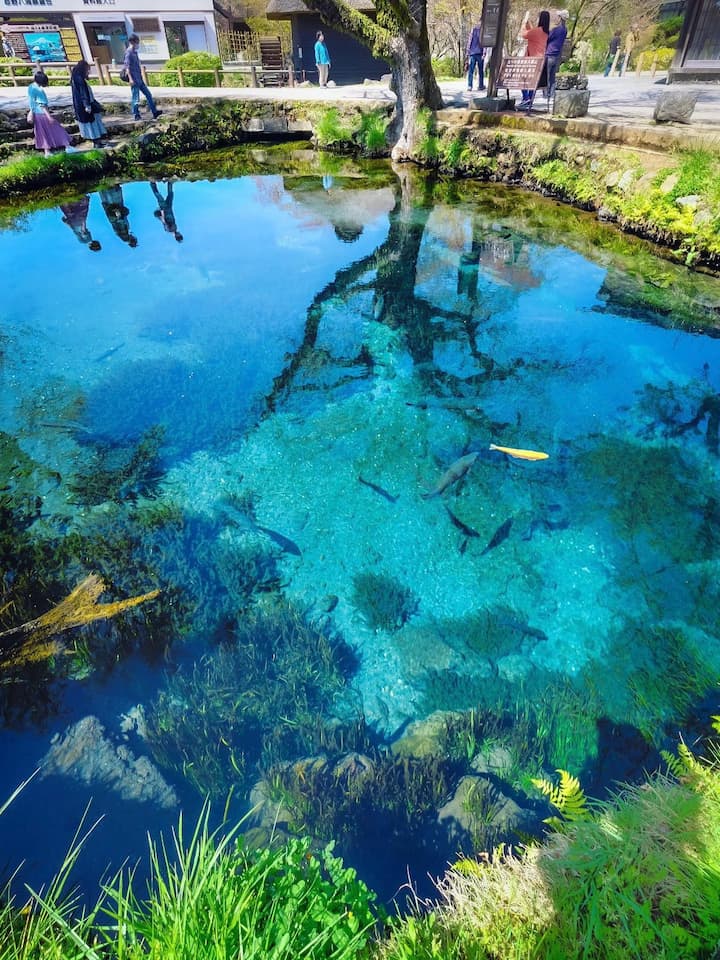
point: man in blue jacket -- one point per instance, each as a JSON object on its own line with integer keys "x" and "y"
{"x": 137, "y": 84}
{"x": 553, "y": 51}
{"x": 475, "y": 55}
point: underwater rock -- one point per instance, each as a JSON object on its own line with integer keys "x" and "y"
{"x": 425, "y": 738}
{"x": 497, "y": 760}
{"x": 514, "y": 667}
{"x": 87, "y": 754}
{"x": 134, "y": 722}
{"x": 479, "y": 815}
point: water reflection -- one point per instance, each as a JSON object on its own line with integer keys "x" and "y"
{"x": 256, "y": 436}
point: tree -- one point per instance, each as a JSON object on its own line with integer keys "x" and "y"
{"x": 400, "y": 36}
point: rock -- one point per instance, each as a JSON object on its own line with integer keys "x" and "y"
{"x": 571, "y": 103}
{"x": 688, "y": 203}
{"x": 669, "y": 183}
{"x": 497, "y": 760}
{"x": 424, "y": 738}
{"x": 606, "y": 214}
{"x": 255, "y": 125}
{"x": 386, "y": 78}
{"x": 612, "y": 179}
{"x": 274, "y": 125}
{"x": 514, "y": 667}
{"x": 626, "y": 181}
{"x": 702, "y": 217}
{"x": 675, "y": 106}
{"x": 479, "y": 815}
{"x": 87, "y": 754}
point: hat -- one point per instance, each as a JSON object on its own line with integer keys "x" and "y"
{"x": 563, "y": 14}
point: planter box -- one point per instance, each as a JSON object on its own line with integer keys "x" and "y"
{"x": 571, "y": 103}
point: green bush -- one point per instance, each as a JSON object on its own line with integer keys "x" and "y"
{"x": 189, "y": 62}
{"x": 661, "y": 56}
{"x": 22, "y": 69}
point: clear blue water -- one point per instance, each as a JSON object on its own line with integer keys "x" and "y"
{"x": 307, "y": 332}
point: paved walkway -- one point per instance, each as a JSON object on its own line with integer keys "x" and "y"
{"x": 625, "y": 101}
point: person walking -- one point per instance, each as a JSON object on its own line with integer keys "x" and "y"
{"x": 117, "y": 213}
{"x": 87, "y": 110}
{"x": 49, "y": 134}
{"x": 475, "y": 58}
{"x": 322, "y": 58}
{"x": 137, "y": 84}
{"x": 553, "y": 51}
{"x": 164, "y": 211}
{"x": 75, "y": 215}
{"x": 613, "y": 48}
{"x": 536, "y": 40}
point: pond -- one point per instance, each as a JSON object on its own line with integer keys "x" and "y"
{"x": 386, "y": 446}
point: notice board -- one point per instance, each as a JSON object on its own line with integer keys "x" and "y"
{"x": 520, "y": 73}
{"x": 490, "y": 23}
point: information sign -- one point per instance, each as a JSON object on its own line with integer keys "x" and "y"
{"x": 520, "y": 73}
{"x": 490, "y": 22}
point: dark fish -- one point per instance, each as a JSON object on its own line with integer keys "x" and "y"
{"x": 500, "y": 534}
{"x": 462, "y": 527}
{"x": 109, "y": 353}
{"x": 240, "y": 519}
{"x": 285, "y": 543}
{"x": 454, "y": 472}
{"x": 556, "y": 524}
{"x": 71, "y": 426}
{"x": 378, "y": 489}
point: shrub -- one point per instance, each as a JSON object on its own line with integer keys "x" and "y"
{"x": 188, "y": 62}
{"x": 22, "y": 69}
{"x": 383, "y": 601}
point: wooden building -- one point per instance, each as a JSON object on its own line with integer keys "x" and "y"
{"x": 698, "y": 52}
{"x": 351, "y": 61}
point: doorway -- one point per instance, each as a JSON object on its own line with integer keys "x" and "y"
{"x": 107, "y": 41}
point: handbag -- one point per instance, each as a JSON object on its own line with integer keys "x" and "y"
{"x": 30, "y": 116}
{"x": 124, "y": 75}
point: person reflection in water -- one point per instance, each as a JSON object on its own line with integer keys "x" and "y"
{"x": 75, "y": 216}
{"x": 164, "y": 211}
{"x": 117, "y": 213}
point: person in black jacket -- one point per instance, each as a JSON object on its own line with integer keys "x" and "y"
{"x": 88, "y": 111}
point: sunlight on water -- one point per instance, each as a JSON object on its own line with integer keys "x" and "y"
{"x": 263, "y": 396}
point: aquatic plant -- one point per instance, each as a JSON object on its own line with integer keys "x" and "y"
{"x": 119, "y": 473}
{"x": 330, "y": 129}
{"x": 567, "y": 797}
{"x": 385, "y": 603}
{"x": 258, "y": 699}
{"x": 359, "y": 798}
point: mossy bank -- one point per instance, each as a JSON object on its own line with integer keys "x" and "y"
{"x": 672, "y": 199}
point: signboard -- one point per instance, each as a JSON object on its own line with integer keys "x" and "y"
{"x": 44, "y": 47}
{"x": 520, "y": 73}
{"x": 490, "y": 22}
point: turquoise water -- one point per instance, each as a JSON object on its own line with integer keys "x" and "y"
{"x": 249, "y": 419}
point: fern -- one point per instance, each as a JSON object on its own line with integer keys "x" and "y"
{"x": 568, "y": 797}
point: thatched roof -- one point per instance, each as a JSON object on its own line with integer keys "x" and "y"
{"x": 283, "y": 9}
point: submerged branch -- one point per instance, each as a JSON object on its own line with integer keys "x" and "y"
{"x": 34, "y": 641}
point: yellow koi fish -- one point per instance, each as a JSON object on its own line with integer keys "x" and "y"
{"x": 521, "y": 454}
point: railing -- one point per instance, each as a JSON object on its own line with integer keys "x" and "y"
{"x": 18, "y": 72}
{"x": 254, "y": 72}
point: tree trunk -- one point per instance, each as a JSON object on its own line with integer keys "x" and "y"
{"x": 415, "y": 87}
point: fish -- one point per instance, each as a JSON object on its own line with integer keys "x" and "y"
{"x": 109, "y": 353}
{"x": 241, "y": 519}
{"x": 452, "y": 474}
{"x": 377, "y": 489}
{"x": 500, "y": 534}
{"x": 462, "y": 527}
{"x": 521, "y": 454}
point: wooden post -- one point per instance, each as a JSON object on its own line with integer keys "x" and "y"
{"x": 613, "y": 68}
{"x": 291, "y": 75}
{"x": 639, "y": 64}
{"x": 143, "y": 73}
{"x": 653, "y": 68}
{"x": 218, "y": 81}
{"x": 253, "y": 75}
{"x": 181, "y": 77}
{"x": 11, "y": 68}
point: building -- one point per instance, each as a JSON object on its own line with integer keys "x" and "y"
{"x": 352, "y": 61}
{"x": 698, "y": 52}
{"x": 53, "y": 30}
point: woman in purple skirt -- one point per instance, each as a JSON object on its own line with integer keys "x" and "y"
{"x": 49, "y": 134}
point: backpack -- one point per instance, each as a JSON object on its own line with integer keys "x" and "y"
{"x": 124, "y": 75}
